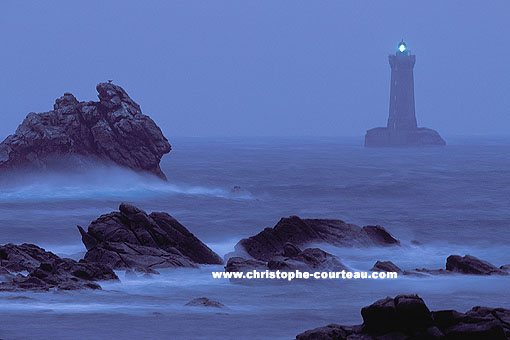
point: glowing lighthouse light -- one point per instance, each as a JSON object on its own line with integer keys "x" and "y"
{"x": 402, "y": 47}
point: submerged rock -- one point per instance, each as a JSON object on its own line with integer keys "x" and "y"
{"x": 408, "y": 317}
{"x": 301, "y": 232}
{"x": 205, "y": 302}
{"x": 131, "y": 238}
{"x": 47, "y": 271}
{"x": 112, "y": 129}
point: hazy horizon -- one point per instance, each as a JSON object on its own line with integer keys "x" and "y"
{"x": 263, "y": 68}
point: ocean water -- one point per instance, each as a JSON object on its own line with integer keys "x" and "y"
{"x": 452, "y": 200}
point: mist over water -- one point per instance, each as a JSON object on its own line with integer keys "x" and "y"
{"x": 452, "y": 200}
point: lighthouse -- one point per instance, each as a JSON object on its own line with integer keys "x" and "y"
{"x": 402, "y": 128}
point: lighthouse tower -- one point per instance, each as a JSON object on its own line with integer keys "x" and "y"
{"x": 402, "y": 128}
{"x": 402, "y": 114}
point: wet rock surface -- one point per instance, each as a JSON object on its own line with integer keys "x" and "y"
{"x": 290, "y": 259}
{"x": 205, "y": 302}
{"x": 406, "y": 317}
{"x": 469, "y": 265}
{"x": 131, "y": 238}
{"x": 301, "y": 232}
{"x": 47, "y": 271}
{"x": 112, "y": 130}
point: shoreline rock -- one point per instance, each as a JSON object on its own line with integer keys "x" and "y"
{"x": 302, "y": 232}
{"x": 408, "y": 317}
{"x": 47, "y": 271}
{"x": 131, "y": 238}
{"x": 112, "y": 130}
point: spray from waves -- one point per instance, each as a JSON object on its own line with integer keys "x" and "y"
{"x": 98, "y": 182}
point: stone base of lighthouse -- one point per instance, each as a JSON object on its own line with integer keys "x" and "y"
{"x": 382, "y": 136}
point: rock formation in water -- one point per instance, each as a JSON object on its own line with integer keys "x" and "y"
{"x": 468, "y": 264}
{"x": 406, "y": 317}
{"x": 205, "y": 302}
{"x": 131, "y": 238}
{"x": 47, "y": 271}
{"x": 402, "y": 128}
{"x": 455, "y": 264}
{"x": 301, "y": 232}
{"x": 112, "y": 130}
{"x": 290, "y": 259}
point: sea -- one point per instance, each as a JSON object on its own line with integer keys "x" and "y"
{"x": 437, "y": 201}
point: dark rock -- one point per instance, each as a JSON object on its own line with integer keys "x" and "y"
{"x": 291, "y": 259}
{"x": 505, "y": 268}
{"x": 290, "y": 250}
{"x": 47, "y": 271}
{"x": 17, "y": 258}
{"x": 239, "y": 264}
{"x": 311, "y": 259}
{"x": 471, "y": 265}
{"x": 329, "y": 332}
{"x": 477, "y": 331}
{"x": 205, "y": 302}
{"x": 386, "y": 266}
{"x": 407, "y": 317}
{"x": 412, "y": 313}
{"x": 113, "y": 129}
{"x": 380, "y": 317}
{"x": 300, "y": 232}
{"x": 468, "y": 264}
{"x": 131, "y": 238}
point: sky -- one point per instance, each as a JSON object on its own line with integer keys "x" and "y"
{"x": 261, "y": 67}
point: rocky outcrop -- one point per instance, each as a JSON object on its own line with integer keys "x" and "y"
{"x": 205, "y": 302}
{"x": 112, "y": 129}
{"x": 301, "y": 232}
{"x": 311, "y": 259}
{"x": 468, "y": 264}
{"x": 383, "y": 136}
{"x": 386, "y": 266}
{"x": 131, "y": 238}
{"x": 290, "y": 259}
{"x": 47, "y": 271}
{"x": 239, "y": 264}
{"x": 407, "y": 317}
{"x": 471, "y": 265}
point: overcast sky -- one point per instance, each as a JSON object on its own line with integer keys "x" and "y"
{"x": 261, "y": 68}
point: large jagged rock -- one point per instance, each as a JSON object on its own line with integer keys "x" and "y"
{"x": 406, "y": 317}
{"x": 47, "y": 271}
{"x": 113, "y": 130}
{"x": 131, "y": 238}
{"x": 301, "y": 232}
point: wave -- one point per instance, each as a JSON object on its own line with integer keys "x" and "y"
{"x": 99, "y": 182}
